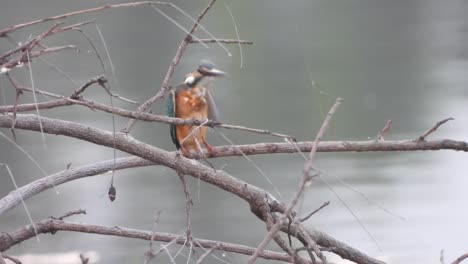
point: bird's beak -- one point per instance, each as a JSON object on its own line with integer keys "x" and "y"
{"x": 215, "y": 73}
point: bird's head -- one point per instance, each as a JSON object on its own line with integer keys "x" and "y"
{"x": 204, "y": 70}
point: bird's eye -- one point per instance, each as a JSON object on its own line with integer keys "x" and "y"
{"x": 189, "y": 80}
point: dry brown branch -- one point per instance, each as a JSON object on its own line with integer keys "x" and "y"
{"x": 28, "y": 45}
{"x": 384, "y": 130}
{"x": 13, "y": 199}
{"x": 12, "y": 259}
{"x": 84, "y": 260}
{"x": 76, "y": 212}
{"x": 325, "y": 204}
{"x": 125, "y": 113}
{"x": 165, "y": 84}
{"x": 33, "y": 54}
{"x": 434, "y": 128}
{"x": 10, "y": 29}
{"x": 150, "y": 254}
{"x": 306, "y": 177}
{"x": 188, "y": 206}
{"x": 77, "y": 92}
{"x": 224, "y": 41}
{"x": 251, "y": 194}
{"x": 206, "y": 254}
{"x": 460, "y": 259}
{"x": 7, "y": 240}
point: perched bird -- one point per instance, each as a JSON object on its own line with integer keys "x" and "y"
{"x": 192, "y": 99}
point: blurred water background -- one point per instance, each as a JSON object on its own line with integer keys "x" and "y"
{"x": 399, "y": 60}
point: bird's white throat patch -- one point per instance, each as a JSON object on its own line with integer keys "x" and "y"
{"x": 189, "y": 80}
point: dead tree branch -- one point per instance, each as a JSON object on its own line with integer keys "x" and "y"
{"x": 224, "y": 41}
{"x": 7, "y": 240}
{"x": 251, "y": 194}
{"x": 460, "y": 259}
{"x": 434, "y": 128}
{"x": 165, "y": 84}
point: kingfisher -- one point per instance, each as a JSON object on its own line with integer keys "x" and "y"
{"x": 192, "y": 99}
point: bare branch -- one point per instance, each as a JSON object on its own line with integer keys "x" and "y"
{"x": 253, "y": 195}
{"x": 165, "y": 84}
{"x": 28, "y": 45}
{"x": 91, "y": 81}
{"x": 460, "y": 259}
{"x": 306, "y": 177}
{"x": 225, "y": 41}
{"x": 13, "y": 199}
{"x": 206, "y": 254}
{"x": 13, "y": 259}
{"x": 84, "y": 260}
{"x": 76, "y": 212}
{"x": 325, "y": 204}
{"x": 6, "y": 31}
{"x": 188, "y": 206}
{"x": 7, "y": 240}
{"x": 20, "y": 61}
{"x": 434, "y": 128}
{"x": 384, "y": 130}
{"x": 125, "y": 113}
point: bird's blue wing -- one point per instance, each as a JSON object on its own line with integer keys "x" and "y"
{"x": 213, "y": 113}
{"x": 171, "y": 112}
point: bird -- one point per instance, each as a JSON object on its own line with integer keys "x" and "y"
{"x": 193, "y": 100}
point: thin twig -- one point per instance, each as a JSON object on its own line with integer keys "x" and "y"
{"x": 188, "y": 206}
{"x": 76, "y": 212}
{"x": 384, "y": 130}
{"x": 224, "y": 41}
{"x": 196, "y": 21}
{"x": 20, "y": 61}
{"x": 237, "y": 34}
{"x": 6, "y": 31}
{"x": 106, "y": 49}
{"x": 131, "y": 114}
{"x": 206, "y": 254}
{"x": 35, "y": 99}
{"x": 306, "y": 177}
{"x": 88, "y": 83}
{"x": 370, "y": 201}
{"x": 90, "y": 41}
{"x": 7, "y": 168}
{"x": 434, "y": 128}
{"x": 49, "y": 225}
{"x": 18, "y": 93}
{"x": 315, "y": 211}
{"x": 163, "y": 247}
{"x": 165, "y": 84}
{"x": 13, "y": 259}
{"x": 84, "y": 260}
{"x": 264, "y": 175}
{"x": 149, "y": 255}
{"x": 28, "y": 45}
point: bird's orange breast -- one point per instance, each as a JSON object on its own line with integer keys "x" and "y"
{"x": 190, "y": 103}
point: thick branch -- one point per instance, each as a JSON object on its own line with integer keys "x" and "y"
{"x": 14, "y": 198}
{"x": 125, "y": 113}
{"x": 254, "y": 196}
{"x": 7, "y": 240}
{"x": 248, "y": 192}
